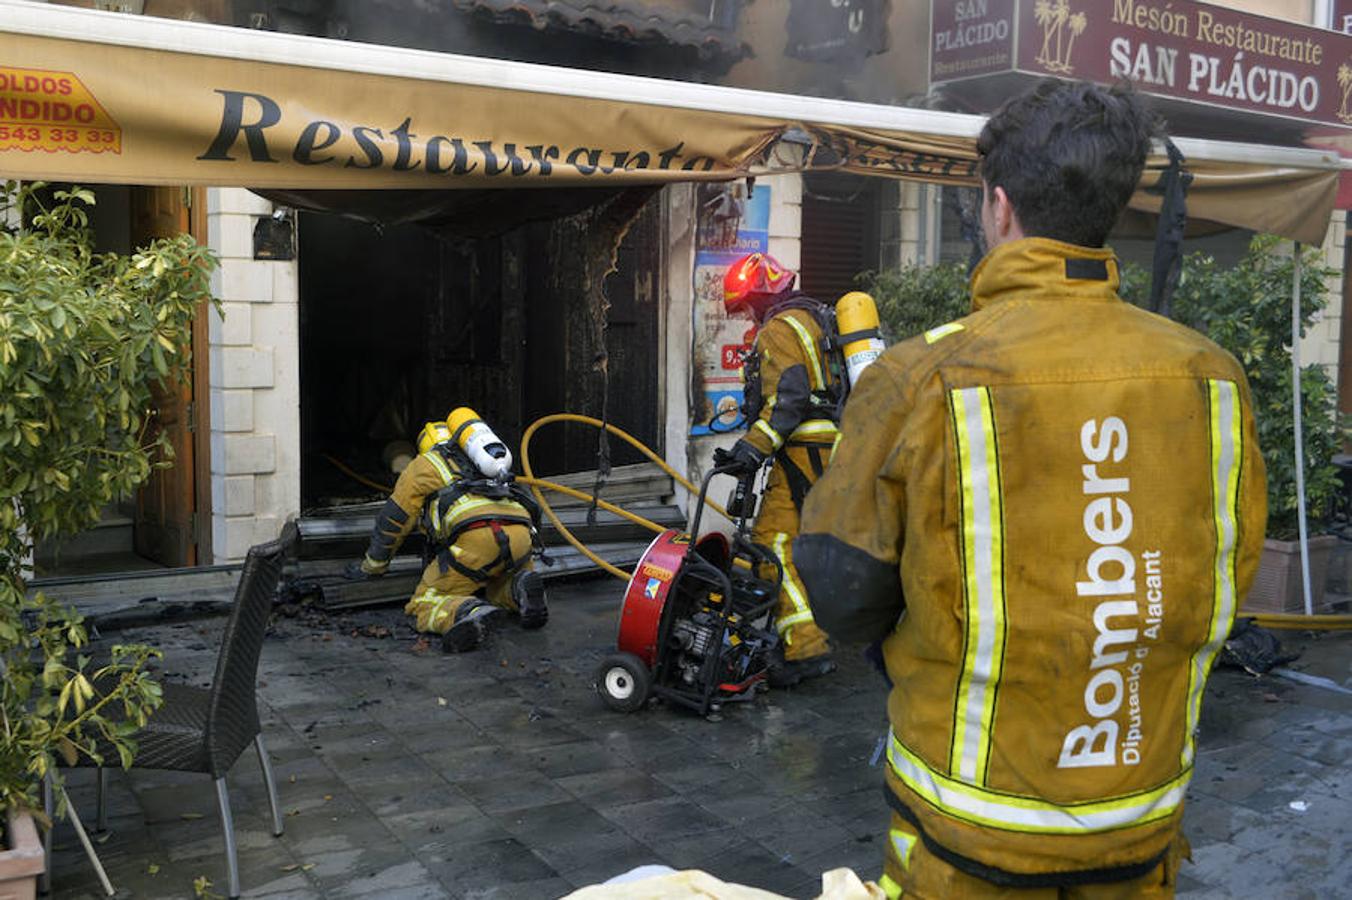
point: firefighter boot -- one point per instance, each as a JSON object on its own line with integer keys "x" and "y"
{"x": 473, "y": 623}
{"x": 528, "y": 591}
{"x": 788, "y": 672}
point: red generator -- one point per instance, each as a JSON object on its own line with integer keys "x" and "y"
{"x": 694, "y": 625}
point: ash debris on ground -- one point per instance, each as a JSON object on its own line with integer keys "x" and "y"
{"x": 297, "y": 616}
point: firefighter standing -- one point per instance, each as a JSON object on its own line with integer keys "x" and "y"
{"x": 481, "y": 533}
{"x": 1064, "y": 496}
{"x": 793, "y": 396}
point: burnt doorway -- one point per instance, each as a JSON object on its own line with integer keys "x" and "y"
{"x": 562, "y": 341}
{"x": 401, "y": 324}
{"x": 397, "y": 327}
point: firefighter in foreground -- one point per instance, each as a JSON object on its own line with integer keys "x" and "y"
{"x": 481, "y": 531}
{"x": 793, "y": 395}
{"x": 1047, "y": 511}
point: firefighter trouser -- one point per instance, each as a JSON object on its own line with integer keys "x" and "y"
{"x": 776, "y": 527}
{"x": 911, "y": 870}
{"x": 444, "y": 589}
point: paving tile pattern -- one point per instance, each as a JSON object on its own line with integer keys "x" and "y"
{"x": 405, "y": 773}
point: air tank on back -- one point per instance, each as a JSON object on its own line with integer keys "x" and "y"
{"x": 857, "y": 314}
{"x": 484, "y": 448}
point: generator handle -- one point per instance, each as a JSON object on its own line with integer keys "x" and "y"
{"x": 703, "y": 492}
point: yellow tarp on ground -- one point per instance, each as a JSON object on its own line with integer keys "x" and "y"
{"x": 692, "y": 884}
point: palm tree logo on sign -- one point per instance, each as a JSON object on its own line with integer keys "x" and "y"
{"x": 1345, "y": 85}
{"x": 1060, "y": 28}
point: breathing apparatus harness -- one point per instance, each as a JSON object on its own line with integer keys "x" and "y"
{"x": 501, "y": 490}
{"x": 826, "y": 403}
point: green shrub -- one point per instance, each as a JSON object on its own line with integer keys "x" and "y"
{"x": 84, "y": 338}
{"x": 1246, "y": 308}
{"x": 914, "y": 298}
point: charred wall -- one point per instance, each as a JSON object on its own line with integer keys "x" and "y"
{"x": 401, "y": 324}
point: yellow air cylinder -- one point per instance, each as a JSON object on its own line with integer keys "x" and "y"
{"x": 484, "y": 448}
{"x": 856, "y": 312}
{"x": 433, "y": 433}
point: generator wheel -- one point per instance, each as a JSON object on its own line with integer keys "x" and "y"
{"x": 622, "y": 681}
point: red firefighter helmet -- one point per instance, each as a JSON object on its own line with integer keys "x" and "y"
{"x": 753, "y": 279}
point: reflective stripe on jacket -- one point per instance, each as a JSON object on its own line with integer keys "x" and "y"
{"x": 428, "y": 473}
{"x": 415, "y": 490}
{"x": 1067, "y": 492}
{"x": 444, "y": 525}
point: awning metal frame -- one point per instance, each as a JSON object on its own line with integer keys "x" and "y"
{"x": 229, "y": 42}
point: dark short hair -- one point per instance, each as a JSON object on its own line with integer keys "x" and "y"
{"x": 1069, "y": 155}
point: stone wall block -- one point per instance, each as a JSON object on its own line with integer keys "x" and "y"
{"x": 232, "y": 410}
{"x": 237, "y": 200}
{"x": 245, "y": 367}
{"x": 231, "y": 537}
{"x": 789, "y": 251}
{"x": 231, "y": 235}
{"x": 785, "y": 218}
{"x": 238, "y": 495}
{"x": 246, "y": 280}
{"x": 285, "y": 282}
{"x": 246, "y": 454}
{"x": 785, "y": 188}
{"x": 232, "y": 326}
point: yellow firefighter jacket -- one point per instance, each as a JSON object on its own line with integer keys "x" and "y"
{"x": 1068, "y": 493}
{"x": 790, "y": 363}
{"x": 416, "y": 495}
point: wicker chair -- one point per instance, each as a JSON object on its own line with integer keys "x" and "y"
{"x": 206, "y": 729}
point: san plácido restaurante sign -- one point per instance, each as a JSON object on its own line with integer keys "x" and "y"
{"x": 1178, "y": 48}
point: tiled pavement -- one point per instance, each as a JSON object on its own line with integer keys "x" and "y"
{"x": 411, "y": 774}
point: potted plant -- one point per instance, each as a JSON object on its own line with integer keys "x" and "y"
{"x": 1246, "y": 308}
{"x": 84, "y": 337}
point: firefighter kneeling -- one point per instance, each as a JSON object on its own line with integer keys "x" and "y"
{"x": 481, "y": 531}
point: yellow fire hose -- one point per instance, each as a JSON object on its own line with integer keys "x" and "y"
{"x": 1301, "y": 622}
{"x": 358, "y": 477}
{"x": 536, "y": 483}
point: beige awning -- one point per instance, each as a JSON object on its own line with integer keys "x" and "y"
{"x": 110, "y": 98}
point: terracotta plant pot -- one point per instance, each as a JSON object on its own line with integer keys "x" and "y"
{"x": 21, "y": 860}
{"x": 1277, "y": 586}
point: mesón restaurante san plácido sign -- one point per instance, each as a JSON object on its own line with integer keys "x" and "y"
{"x": 1186, "y": 50}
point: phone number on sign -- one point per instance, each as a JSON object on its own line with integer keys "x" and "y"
{"x": 42, "y": 135}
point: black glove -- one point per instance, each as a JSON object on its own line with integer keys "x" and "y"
{"x": 362, "y": 569}
{"x": 742, "y": 459}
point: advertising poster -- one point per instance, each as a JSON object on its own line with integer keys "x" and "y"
{"x": 732, "y": 221}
